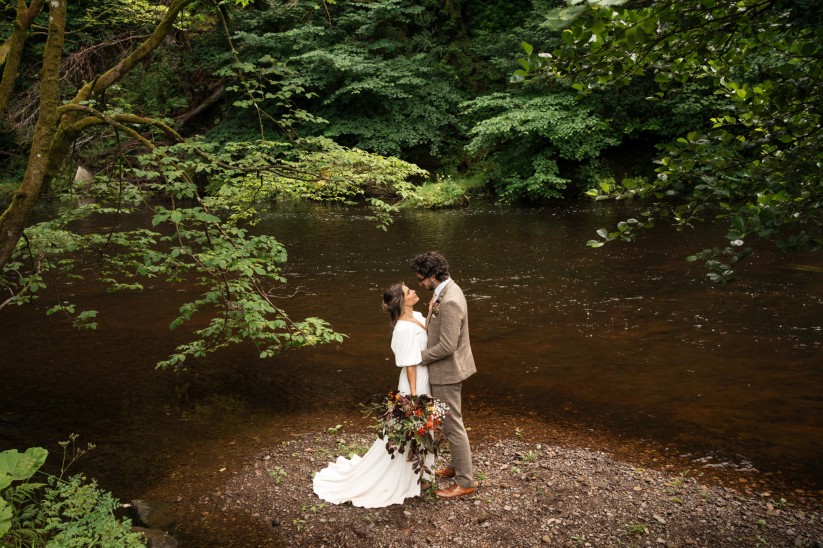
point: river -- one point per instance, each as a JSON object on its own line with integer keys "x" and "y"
{"x": 628, "y": 337}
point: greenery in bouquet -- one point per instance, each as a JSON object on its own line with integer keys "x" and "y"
{"x": 410, "y": 425}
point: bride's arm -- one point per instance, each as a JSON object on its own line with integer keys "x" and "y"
{"x": 411, "y": 374}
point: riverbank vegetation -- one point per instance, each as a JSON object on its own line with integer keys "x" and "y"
{"x": 755, "y": 161}
{"x": 57, "y": 511}
{"x": 199, "y": 111}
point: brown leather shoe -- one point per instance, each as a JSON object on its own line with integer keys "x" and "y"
{"x": 425, "y": 486}
{"x": 454, "y": 491}
{"x": 447, "y": 472}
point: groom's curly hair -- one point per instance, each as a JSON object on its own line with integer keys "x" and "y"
{"x": 431, "y": 263}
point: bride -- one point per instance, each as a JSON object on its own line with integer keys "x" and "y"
{"x": 376, "y": 479}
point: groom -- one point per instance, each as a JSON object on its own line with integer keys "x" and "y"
{"x": 449, "y": 357}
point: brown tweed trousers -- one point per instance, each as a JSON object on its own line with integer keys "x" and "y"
{"x": 450, "y": 361}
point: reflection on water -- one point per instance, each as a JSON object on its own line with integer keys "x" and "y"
{"x": 628, "y": 331}
{"x": 628, "y": 335}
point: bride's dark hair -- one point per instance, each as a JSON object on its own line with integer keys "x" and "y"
{"x": 393, "y": 302}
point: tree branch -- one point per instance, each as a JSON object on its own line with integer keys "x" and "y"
{"x": 63, "y": 136}
{"x": 118, "y": 120}
{"x": 215, "y": 96}
{"x": 114, "y": 74}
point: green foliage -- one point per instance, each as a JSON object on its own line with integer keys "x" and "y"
{"x": 17, "y": 513}
{"x": 372, "y": 70}
{"x": 571, "y": 129}
{"x": 443, "y": 192}
{"x": 278, "y": 474}
{"x": 110, "y": 17}
{"x": 756, "y": 163}
{"x": 386, "y": 107}
{"x": 10, "y": 177}
{"x": 720, "y": 263}
{"x": 637, "y": 529}
{"x": 204, "y": 240}
{"x": 156, "y": 88}
{"x": 57, "y": 513}
{"x": 17, "y": 467}
{"x": 78, "y": 513}
{"x": 525, "y": 136}
{"x": 202, "y": 196}
{"x": 271, "y": 86}
{"x": 316, "y": 169}
{"x": 497, "y": 15}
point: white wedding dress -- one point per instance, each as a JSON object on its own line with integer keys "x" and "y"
{"x": 375, "y": 479}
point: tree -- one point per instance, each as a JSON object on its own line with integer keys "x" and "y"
{"x": 208, "y": 237}
{"x": 375, "y": 70}
{"x": 526, "y": 136}
{"x": 537, "y": 142}
{"x": 757, "y": 164}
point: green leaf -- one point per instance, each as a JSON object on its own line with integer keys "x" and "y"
{"x": 21, "y": 466}
{"x": 738, "y": 223}
{"x": 809, "y": 49}
{"x": 5, "y": 517}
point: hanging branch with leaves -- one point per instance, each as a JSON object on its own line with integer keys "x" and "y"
{"x": 202, "y": 233}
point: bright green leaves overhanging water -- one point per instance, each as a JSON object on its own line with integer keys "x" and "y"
{"x": 758, "y": 164}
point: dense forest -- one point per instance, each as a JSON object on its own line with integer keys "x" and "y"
{"x": 200, "y": 111}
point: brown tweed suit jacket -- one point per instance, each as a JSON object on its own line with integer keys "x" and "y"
{"x": 449, "y": 354}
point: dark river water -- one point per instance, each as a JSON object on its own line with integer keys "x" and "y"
{"x": 628, "y": 337}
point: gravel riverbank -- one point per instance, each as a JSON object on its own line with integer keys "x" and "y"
{"x": 530, "y": 493}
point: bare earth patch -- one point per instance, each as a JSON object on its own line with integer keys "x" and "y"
{"x": 530, "y": 494}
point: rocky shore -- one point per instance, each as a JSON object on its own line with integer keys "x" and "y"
{"x": 531, "y": 493}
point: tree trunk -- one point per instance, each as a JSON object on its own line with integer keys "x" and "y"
{"x": 65, "y": 136}
{"x": 52, "y": 141}
{"x": 12, "y": 49}
{"x": 15, "y": 218}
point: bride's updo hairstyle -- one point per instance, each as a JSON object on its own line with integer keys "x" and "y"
{"x": 393, "y": 302}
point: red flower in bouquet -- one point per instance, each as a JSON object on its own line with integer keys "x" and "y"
{"x": 411, "y": 425}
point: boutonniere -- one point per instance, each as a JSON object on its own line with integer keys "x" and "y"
{"x": 436, "y": 308}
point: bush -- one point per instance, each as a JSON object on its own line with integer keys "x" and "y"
{"x": 78, "y": 513}
{"x": 64, "y": 513}
{"x": 445, "y": 192}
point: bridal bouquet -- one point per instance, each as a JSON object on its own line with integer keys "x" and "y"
{"x": 409, "y": 424}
